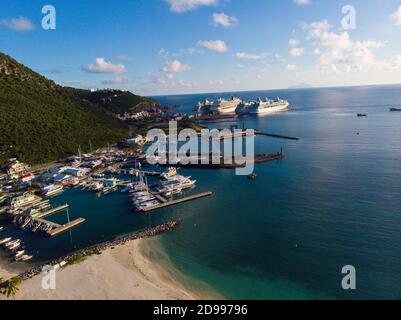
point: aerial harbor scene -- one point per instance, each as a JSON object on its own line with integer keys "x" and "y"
{"x": 213, "y": 153}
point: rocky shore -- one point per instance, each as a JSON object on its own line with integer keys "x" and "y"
{"x": 148, "y": 233}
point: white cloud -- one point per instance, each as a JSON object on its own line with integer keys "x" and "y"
{"x": 163, "y": 53}
{"x": 116, "y": 80}
{"x": 291, "y": 67}
{"x": 338, "y": 53}
{"x": 294, "y": 42}
{"x": 279, "y": 57}
{"x": 396, "y": 17}
{"x": 102, "y": 66}
{"x": 180, "y": 6}
{"x": 216, "y": 82}
{"x": 20, "y": 24}
{"x": 214, "y": 45}
{"x": 173, "y": 67}
{"x": 248, "y": 56}
{"x": 302, "y": 2}
{"x": 221, "y": 19}
{"x": 297, "y": 52}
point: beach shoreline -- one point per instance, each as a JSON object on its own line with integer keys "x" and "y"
{"x": 123, "y": 272}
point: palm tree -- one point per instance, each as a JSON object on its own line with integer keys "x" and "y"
{"x": 10, "y": 287}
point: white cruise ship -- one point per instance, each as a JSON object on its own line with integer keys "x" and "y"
{"x": 269, "y": 106}
{"x": 228, "y": 106}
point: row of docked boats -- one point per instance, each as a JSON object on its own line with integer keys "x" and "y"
{"x": 27, "y": 223}
{"x": 236, "y": 105}
{"x": 15, "y": 249}
{"x": 171, "y": 184}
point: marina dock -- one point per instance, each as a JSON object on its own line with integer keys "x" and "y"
{"x": 63, "y": 228}
{"x": 52, "y": 211}
{"x": 179, "y": 201}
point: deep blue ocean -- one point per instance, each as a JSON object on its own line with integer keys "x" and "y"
{"x": 335, "y": 200}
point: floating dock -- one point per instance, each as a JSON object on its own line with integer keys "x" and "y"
{"x": 179, "y": 201}
{"x": 65, "y": 227}
{"x": 52, "y": 211}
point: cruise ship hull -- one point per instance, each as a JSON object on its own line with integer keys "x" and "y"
{"x": 230, "y": 110}
{"x": 270, "y": 110}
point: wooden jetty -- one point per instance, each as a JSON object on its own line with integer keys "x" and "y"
{"x": 65, "y": 227}
{"x": 179, "y": 201}
{"x": 52, "y": 211}
{"x": 56, "y": 228}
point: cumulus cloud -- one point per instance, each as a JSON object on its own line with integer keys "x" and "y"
{"x": 180, "y": 6}
{"x": 396, "y": 17}
{"x": 302, "y": 2}
{"x": 173, "y": 67}
{"x": 294, "y": 42}
{"x": 338, "y": 53}
{"x": 221, "y": 19}
{"x": 291, "y": 67}
{"x": 102, "y": 66}
{"x": 214, "y": 45}
{"x": 297, "y": 52}
{"x": 248, "y": 56}
{"x": 20, "y": 24}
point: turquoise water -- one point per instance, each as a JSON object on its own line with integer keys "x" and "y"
{"x": 335, "y": 200}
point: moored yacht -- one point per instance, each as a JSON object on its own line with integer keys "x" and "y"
{"x": 53, "y": 190}
{"x": 146, "y": 205}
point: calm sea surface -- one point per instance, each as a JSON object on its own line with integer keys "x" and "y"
{"x": 334, "y": 201}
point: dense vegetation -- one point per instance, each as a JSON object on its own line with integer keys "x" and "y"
{"x": 41, "y": 121}
{"x": 117, "y": 101}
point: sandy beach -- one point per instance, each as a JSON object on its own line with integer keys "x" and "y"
{"x": 119, "y": 273}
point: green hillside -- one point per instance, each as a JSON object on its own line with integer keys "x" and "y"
{"x": 41, "y": 121}
{"x": 117, "y": 101}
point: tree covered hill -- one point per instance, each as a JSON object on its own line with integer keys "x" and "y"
{"x": 41, "y": 121}
{"x": 118, "y": 101}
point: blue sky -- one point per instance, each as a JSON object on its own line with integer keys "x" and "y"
{"x": 154, "y": 47}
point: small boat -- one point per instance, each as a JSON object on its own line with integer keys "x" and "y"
{"x": 1, "y": 229}
{"x": 172, "y": 192}
{"x": 15, "y": 246}
{"x": 252, "y": 176}
{"x": 5, "y": 240}
{"x": 362, "y": 115}
{"x": 19, "y": 254}
{"x": 171, "y": 172}
{"x": 146, "y": 205}
{"x": 12, "y": 243}
{"x": 26, "y": 258}
{"x": 395, "y": 109}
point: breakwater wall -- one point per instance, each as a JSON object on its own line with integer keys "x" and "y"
{"x": 148, "y": 233}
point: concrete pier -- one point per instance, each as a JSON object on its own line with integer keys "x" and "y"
{"x": 179, "y": 201}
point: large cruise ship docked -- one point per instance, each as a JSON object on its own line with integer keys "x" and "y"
{"x": 269, "y": 106}
{"x": 228, "y": 106}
